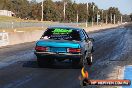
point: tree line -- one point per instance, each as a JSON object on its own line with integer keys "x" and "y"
{"x": 54, "y": 11}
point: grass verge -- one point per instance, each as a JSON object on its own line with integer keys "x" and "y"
{"x": 22, "y": 29}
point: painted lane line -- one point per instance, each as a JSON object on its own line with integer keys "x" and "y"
{"x": 128, "y": 75}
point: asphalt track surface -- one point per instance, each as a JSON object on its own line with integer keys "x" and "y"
{"x": 19, "y": 69}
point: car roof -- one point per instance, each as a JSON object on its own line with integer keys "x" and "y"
{"x": 65, "y": 27}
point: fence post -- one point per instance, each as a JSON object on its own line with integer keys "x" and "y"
{"x": 12, "y": 25}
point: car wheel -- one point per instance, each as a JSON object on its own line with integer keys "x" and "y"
{"x": 80, "y": 62}
{"x": 45, "y": 61}
{"x": 83, "y": 61}
{"x": 90, "y": 59}
{"x": 92, "y": 50}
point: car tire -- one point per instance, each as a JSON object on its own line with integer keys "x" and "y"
{"x": 45, "y": 61}
{"x": 92, "y": 50}
{"x": 90, "y": 59}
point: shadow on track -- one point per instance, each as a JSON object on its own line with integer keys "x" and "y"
{"x": 56, "y": 65}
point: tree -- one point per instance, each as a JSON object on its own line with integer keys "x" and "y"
{"x": 19, "y": 7}
{"x": 126, "y": 18}
{"x": 49, "y": 10}
{"x": 114, "y": 11}
{"x": 2, "y": 3}
{"x": 35, "y": 12}
{"x": 54, "y": 10}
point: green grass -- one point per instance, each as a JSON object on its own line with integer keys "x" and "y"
{"x": 26, "y": 29}
{"x": 9, "y": 19}
{"x": 14, "y": 19}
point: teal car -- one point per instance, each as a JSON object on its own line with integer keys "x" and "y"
{"x": 63, "y": 43}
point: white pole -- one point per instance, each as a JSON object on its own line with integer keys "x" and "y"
{"x": 111, "y": 17}
{"x": 114, "y": 18}
{"x": 92, "y": 21}
{"x": 121, "y": 19}
{"x": 93, "y": 8}
{"x": 12, "y": 25}
{"x": 64, "y": 10}
{"x": 42, "y": 10}
{"x": 97, "y": 18}
{"x": 87, "y": 16}
{"x": 87, "y": 7}
{"x": 77, "y": 14}
{"x": 77, "y": 18}
{"x": 106, "y": 19}
{"x": 92, "y": 16}
{"x": 102, "y": 16}
{"x": 86, "y": 23}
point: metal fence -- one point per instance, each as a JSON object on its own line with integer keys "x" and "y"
{"x": 12, "y": 25}
{"x": 9, "y": 25}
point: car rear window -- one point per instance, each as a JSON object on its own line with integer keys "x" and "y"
{"x": 61, "y": 33}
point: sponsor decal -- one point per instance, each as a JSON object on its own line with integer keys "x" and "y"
{"x": 85, "y": 81}
{"x": 61, "y": 31}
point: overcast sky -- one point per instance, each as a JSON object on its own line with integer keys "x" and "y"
{"x": 125, "y": 6}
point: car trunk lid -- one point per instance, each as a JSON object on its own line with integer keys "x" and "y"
{"x": 58, "y": 45}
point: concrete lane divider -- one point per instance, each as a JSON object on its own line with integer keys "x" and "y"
{"x": 13, "y": 38}
{"x": 4, "y": 39}
{"x": 23, "y": 37}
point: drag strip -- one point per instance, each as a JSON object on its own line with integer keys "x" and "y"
{"x": 19, "y": 69}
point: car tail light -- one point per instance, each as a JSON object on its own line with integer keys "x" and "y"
{"x": 74, "y": 50}
{"x": 41, "y": 48}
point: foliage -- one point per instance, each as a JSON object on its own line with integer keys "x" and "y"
{"x": 54, "y": 11}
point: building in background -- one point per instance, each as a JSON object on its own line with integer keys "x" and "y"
{"x": 6, "y": 13}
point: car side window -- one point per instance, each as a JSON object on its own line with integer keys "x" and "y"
{"x": 82, "y": 35}
{"x": 85, "y": 33}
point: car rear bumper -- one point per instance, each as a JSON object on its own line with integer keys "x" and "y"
{"x": 59, "y": 55}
